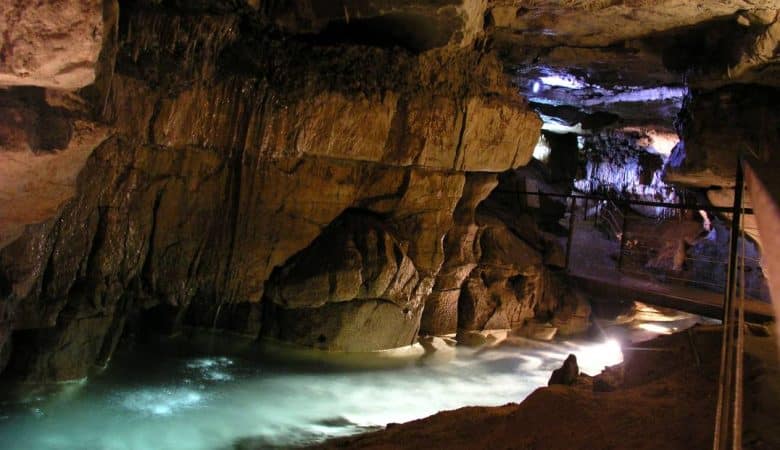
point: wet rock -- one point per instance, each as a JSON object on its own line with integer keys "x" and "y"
{"x": 573, "y": 319}
{"x": 5, "y": 344}
{"x": 471, "y": 338}
{"x": 440, "y": 315}
{"x": 567, "y": 374}
{"x": 537, "y": 331}
{"x": 43, "y": 147}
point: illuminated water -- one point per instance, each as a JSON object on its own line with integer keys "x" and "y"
{"x": 167, "y": 398}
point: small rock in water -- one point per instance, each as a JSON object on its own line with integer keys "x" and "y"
{"x": 471, "y": 339}
{"x": 567, "y": 373}
{"x": 537, "y": 331}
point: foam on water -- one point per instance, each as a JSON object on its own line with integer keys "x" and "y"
{"x": 158, "y": 401}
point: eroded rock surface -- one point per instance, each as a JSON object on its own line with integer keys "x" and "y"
{"x": 225, "y": 152}
{"x": 501, "y": 269}
{"x": 160, "y": 160}
{"x": 353, "y": 289}
{"x": 53, "y": 44}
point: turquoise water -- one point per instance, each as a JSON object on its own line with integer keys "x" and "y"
{"x": 205, "y": 397}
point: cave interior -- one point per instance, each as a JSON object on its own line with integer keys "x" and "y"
{"x": 342, "y": 179}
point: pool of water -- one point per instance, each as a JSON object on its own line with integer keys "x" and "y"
{"x": 172, "y": 397}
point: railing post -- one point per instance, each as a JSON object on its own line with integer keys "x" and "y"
{"x": 726, "y": 411}
{"x": 733, "y": 242}
{"x": 622, "y": 239}
{"x": 585, "y": 212}
{"x": 572, "y": 214}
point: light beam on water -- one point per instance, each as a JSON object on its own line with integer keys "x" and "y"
{"x": 158, "y": 401}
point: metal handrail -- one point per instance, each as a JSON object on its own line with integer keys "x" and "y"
{"x": 608, "y": 212}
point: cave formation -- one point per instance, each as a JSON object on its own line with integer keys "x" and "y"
{"x": 352, "y": 176}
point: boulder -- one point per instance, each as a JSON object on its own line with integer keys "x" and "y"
{"x": 610, "y": 379}
{"x": 471, "y": 338}
{"x": 353, "y": 289}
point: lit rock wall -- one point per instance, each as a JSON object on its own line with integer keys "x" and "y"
{"x": 625, "y": 165}
{"x": 54, "y": 44}
{"x": 501, "y": 269}
{"x": 212, "y": 154}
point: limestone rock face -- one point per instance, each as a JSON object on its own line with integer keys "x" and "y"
{"x": 53, "y": 44}
{"x": 593, "y": 23}
{"x": 500, "y": 268}
{"x": 631, "y": 61}
{"x": 462, "y": 253}
{"x": 43, "y": 147}
{"x": 511, "y": 286}
{"x": 716, "y": 126}
{"x": 408, "y": 23}
{"x": 505, "y": 287}
{"x": 353, "y": 289}
{"x": 209, "y": 155}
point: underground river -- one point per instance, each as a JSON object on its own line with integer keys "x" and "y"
{"x": 209, "y": 394}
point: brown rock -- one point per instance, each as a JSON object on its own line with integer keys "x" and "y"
{"x": 214, "y": 178}
{"x": 471, "y": 338}
{"x": 461, "y": 254}
{"x": 42, "y": 150}
{"x": 50, "y": 44}
{"x": 440, "y": 315}
{"x": 352, "y": 289}
{"x": 567, "y": 374}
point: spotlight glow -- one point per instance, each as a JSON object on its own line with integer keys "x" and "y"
{"x": 542, "y": 149}
{"x": 633, "y": 94}
{"x": 536, "y": 87}
{"x": 592, "y": 359}
{"x": 565, "y": 81}
{"x": 656, "y": 328}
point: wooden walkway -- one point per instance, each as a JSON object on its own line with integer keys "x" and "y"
{"x": 615, "y": 286}
{"x": 597, "y": 274}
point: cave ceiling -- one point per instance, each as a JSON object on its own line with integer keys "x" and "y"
{"x": 634, "y": 59}
{"x": 583, "y": 64}
{"x": 628, "y": 62}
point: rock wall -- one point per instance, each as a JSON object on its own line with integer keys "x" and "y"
{"x": 222, "y": 151}
{"x": 51, "y": 44}
{"x": 354, "y": 288}
{"x": 502, "y": 266}
{"x": 716, "y": 126}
